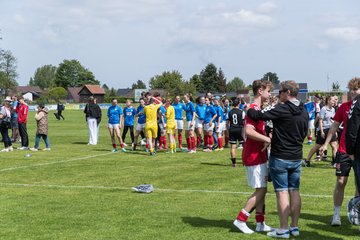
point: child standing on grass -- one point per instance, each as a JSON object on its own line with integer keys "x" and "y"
{"x": 41, "y": 118}
{"x": 129, "y": 119}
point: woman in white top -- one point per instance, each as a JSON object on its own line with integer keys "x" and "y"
{"x": 5, "y": 116}
{"x": 325, "y": 120}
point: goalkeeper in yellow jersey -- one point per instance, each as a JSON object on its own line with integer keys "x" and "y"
{"x": 151, "y": 127}
{"x": 170, "y": 125}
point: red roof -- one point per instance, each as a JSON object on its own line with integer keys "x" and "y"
{"x": 94, "y": 89}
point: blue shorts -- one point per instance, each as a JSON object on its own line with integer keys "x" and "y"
{"x": 285, "y": 174}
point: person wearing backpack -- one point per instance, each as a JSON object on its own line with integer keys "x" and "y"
{"x": 5, "y": 116}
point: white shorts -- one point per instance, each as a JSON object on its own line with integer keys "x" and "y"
{"x": 161, "y": 126}
{"x": 179, "y": 124}
{"x": 311, "y": 124}
{"x": 140, "y": 126}
{"x": 256, "y": 175}
{"x": 199, "y": 123}
{"x": 188, "y": 127}
{"x": 221, "y": 128}
{"x": 113, "y": 126}
{"x": 209, "y": 128}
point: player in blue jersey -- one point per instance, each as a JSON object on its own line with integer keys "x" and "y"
{"x": 129, "y": 119}
{"x": 226, "y": 108}
{"x": 219, "y": 123}
{"x": 114, "y": 114}
{"x": 179, "y": 108}
{"x": 311, "y": 109}
{"x": 190, "y": 123}
{"x": 210, "y": 115}
{"x": 141, "y": 121}
{"x": 199, "y": 122}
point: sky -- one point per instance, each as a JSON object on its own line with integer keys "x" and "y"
{"x": 121, "y": 41}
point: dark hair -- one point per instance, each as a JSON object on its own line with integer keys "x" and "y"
{"x": 260, "y": 84}
{"x": 236, "y": 102}
{"x": 290, "y": 85}
{"x": 41, "y": 105}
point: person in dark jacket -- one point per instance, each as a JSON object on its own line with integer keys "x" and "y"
{"x": 290, "y": 121}
{"x": 352, "y": 135}
{"x": 59, "y": 108}
{"x": 93, "y": 117}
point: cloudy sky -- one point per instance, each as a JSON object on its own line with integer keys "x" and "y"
{"x": 122, "y": 41}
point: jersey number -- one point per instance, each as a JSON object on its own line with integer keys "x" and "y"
{"x": 235, "y": 119}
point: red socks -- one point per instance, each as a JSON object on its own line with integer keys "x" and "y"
{"x": 193, "y": 147}
{"x": 114, "y": 145}
{"x": 220, "y": 142}
{"x": 180, "y": 140}
{"x": 260, "y": 217}
{"x": 243, "y": 216}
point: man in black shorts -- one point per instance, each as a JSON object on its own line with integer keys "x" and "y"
{"x": 236, "y": 125}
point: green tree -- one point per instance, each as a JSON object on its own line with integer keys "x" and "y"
{"x": 170, "y": 81}
{"x": 71, "y": 73}
{"x": 139, "y": 85}
{"x": 44, "y": 77}
{"x": 221, "y": 86}
{"x": 235, "y": 84}
{"x": 57, "y": 93}
{"x": 272, "y": 77}
{"x": 209, "y": 79}
{"x": 196, "y": 82}
{"x": 8, "y": 71}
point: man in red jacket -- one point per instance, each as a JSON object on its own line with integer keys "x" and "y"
{"x": 22, "y": 110}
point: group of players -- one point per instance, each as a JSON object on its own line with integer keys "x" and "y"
{"x": 206, "y": 124}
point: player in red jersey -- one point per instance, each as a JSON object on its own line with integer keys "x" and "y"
{"x": 255, "y": 160}
{"x": 343, "y": 162}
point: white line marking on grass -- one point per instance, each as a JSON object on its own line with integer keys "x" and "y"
{"x": 55, "y": 162}
{"x": 156, "y": 189}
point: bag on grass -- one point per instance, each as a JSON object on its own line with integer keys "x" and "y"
{"x": 144, "y": 188}
{"x": 353, "y": 208}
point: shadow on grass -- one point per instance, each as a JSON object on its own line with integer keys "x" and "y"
{"x": 346, "y": 229}
{"x": 80, "y": 143}
{"x": 216, "y": 164}
{"x": 199, "y": 222}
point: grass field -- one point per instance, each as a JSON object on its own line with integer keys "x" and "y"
{"x": 77, "y": 191}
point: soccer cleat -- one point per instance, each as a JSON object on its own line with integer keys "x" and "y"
{"x": 336, "y": 221}
{"x": 47, "y": 149}
{"x": 277, "y": 234}
{"x": 152, "y": 154}
{"x": 34, "y": 149}
{"x": 262, "y": 227}
{"x": 221, "y": 149}
{"x": 114, "y": 150}
{"x": 123, "y": 150}
{"x": 125, "y": 145}
{"x": 23, "y": 148}
{"x": 294, "y": 231}
{"x": 242, "y": 227}
{"x": 5, "y": 150}
{"x": 11, "y": 149}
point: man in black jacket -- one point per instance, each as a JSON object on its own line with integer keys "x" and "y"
{"x": 290, "y": 120}
{"x": 352, "y": 134}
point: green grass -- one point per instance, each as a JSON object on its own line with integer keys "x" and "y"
{"x": 77, "y": 191}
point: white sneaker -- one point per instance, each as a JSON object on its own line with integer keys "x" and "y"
{"x": 24, "y": 148}
{"x": 5, "y": 150}
{"x": 262, "y": 227}
{"x": 143, "y": 142}
{"x": 279, "y": 234}
{"x": 125, "y": 145}
{"x": 34, "y": 149}
{"x": 11, "y": 149}
{"x": 336, "y": 221}
{"x": 47, "y": 149}
{"x": 242, "y": 227}
{"x": 294, "y": 231}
